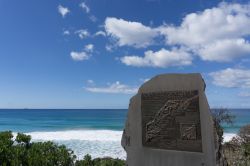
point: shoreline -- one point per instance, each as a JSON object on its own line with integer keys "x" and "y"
{"x": 228, "y": 136}
{"x": 97, "y": 143}
{"x": 90, "y": 135}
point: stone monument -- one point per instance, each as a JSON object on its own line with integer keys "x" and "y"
{"x": 169, "y": 123}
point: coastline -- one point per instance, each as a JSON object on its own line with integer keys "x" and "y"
{"x": 95, "y": 132}
{"x": 97, "y": 143}
{"x": 228, "y": 136}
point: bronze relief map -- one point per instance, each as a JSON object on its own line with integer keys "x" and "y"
{"x": 171, "y": 120}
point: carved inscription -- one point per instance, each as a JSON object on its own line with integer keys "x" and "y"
{"x": 171, "y": 120}
{"x": 188, "y": 131}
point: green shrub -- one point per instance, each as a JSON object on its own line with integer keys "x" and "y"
{"x": 22, "y": 152}
{"x": 6, "y": 148}
{"x": 87, "y": 161}
{"x": 237, "y": 151}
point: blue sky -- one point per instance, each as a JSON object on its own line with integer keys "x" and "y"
{"x": 95, "y": 54}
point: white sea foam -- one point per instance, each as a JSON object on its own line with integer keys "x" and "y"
{"x": 95, "y": 148}
{"x": 228, "y": 136}
{"x": 87, "y": 135}
{"x": 97, "y": 143}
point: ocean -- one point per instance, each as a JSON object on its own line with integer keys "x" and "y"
{"x": 86, "y": 131}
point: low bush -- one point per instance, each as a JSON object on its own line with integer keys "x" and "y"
{"x": 20, "y": 151}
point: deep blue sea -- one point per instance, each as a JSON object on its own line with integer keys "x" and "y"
{"x": 94, "y": 131}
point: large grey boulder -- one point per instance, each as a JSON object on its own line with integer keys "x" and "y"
{"x": 169, "y": 123}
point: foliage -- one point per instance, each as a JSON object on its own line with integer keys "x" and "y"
{"x": 221, "y": 116}
{"x": 244, "y": 135}
{"x": 100, "y": 162}
{"x": 22, "y": 152}
{"x": 238, "y": 149}
{"x": 6, "y": 147}
{"x": 48, "y": 153}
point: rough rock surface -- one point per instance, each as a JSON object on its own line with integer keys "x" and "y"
{"x": 169, "y": 123}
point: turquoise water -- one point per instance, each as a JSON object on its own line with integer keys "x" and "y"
{"x": 87, "y": 131}
{"x": 242, "y": 117}
{"x": 94, "y": 131}
{"x": 28, "y": 120}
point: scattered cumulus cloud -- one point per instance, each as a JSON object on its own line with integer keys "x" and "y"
{"x": 89, "y": 48}
{"x": 63, "y": 10}
{"x": 128, "y": 33}
{"x": 109, "y": 47}
{"x": 222, "y": 22}
{"x": 84, "y": 7}
{"x": 216, "y": 34}
{"x": 79, "y": 56}
{"x": 231, "y": 78}
{"x": 224, "y": 50}
{"x": 82, "y": 33}
{"x": 83, "y": 55}
{"x": 66, "y": 32}
{"x": 219, "y": 34}
{"x": 114, "y": 88}
{"x": 162, "y": 58}
{"x": 100, "y": 33}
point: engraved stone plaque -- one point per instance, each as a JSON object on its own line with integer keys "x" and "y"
{"x": 171, "y": 120}
{"x": 188, "y": 131}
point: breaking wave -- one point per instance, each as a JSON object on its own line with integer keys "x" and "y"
{"x": 228, "y": 136}
{"x": 97, "y": 143}
{"x": 88, "y": 135}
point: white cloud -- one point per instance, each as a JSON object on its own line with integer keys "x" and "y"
{"x": 82, "y": 33}
{"x": 129, "y": 33}
{"x": 83, "y": 55}
{"x": 161, "y": 58}
{"x": 63, "y": 10}
{"x": 79, "y": 56}
{"x": 89, "y": 48}
{"x": 232, "y": 78}
{"x": 216, "y": 34}
{"x": 222, "y": 22}
{"x": 84, "y": 7}
{"x": 66, "y": 32}
{"x": 100, "y": 33}
{"x": 109, "y": 47}
{"x": 225, "y": 50}
{"x": 115, "y": 88}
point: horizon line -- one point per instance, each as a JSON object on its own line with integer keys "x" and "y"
{"x": 96, "y": 108}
